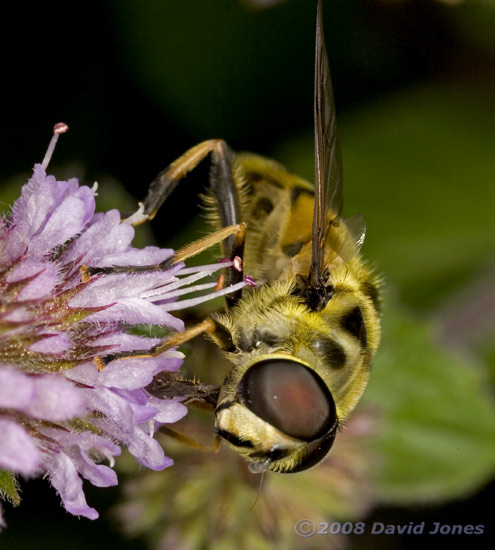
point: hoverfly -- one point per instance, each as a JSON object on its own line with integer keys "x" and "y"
{"x": 300, "y": 343}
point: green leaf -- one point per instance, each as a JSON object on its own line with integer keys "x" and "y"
{"x": 437, "y": 437}
{"x": 8, "y": 488}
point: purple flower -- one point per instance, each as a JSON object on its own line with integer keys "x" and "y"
{"x": 59, "y": 415}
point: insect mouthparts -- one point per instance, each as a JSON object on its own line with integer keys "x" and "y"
{"x": 260, "y": 466}
{"x": 317, "y": 297}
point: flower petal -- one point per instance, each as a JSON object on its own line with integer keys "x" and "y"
{"x": 18, "y": 451}
{"x": 52, "y": 344}
{"x": 83, "y": 449}
{"x": 118, "y": 415}
{"x": 99, "y": 475}
{"x": 32, "y": 212}
{"x": 128, "y": 374}
{"x": 131, "y": 374}
{"x": 134, "y": 311}
{"x": 16, "y": 389}
{"x": 143, "y": 413}
{"x": 60, "y": 227}
{"x": 150, "y": 255}
{"x": 90, "y": 247}
{"x": 55, "y": 399}
{"x": 65, "y": 479}
{"x": 44, "y": 281}
{"x": 148, "y": 451}
{"x": 170, "y": 410}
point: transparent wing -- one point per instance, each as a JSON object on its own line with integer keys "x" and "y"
{"x": 356, "y": 231}
{"x": 328, "y": 159}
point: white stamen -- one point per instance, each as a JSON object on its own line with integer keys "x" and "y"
{"x": 182, "y": 304}
{"x": 179, "y": 287}
{"x": 172, "y": 286}
{"x": 106, "y": 453}
{"x": 95, "y": 188}
{"x": 198, "y": 273}
{"x": 159, "y": 294}
{"x": 151, "y": 424}
{"x": 59, "y": 128}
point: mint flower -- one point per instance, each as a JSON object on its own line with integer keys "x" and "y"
{"x": 59, "y": 415}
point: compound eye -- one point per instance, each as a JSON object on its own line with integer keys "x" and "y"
{"x": 317, "y": 450}
{"x": 290, "y": 397}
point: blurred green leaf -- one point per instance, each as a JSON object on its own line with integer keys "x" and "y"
{"x": 475, "y": 20}
{"x": 437, "y": 439}
{"x": 419, "y": 165}
{"x": 424, "y": 163}
{"x": 8, "y": 488}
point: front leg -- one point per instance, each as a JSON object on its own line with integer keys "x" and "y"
{"x": 220, "y": 335}
{"x": 225, "y": 190}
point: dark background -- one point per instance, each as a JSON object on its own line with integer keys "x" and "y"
{"x": 139, "y": 83}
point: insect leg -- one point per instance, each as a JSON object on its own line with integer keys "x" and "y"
{"x": 166, "y": 385}
{"x": 213, "y": 448}
{"x": 167, "y": 180}
{"x": 237, "y": 231}
{"x": 220, "y": 335}
{"x": 225, "y": 191}
{"x": 237, "y": 235}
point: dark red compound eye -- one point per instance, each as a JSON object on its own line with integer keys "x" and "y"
{"x": 290, "y": 397}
